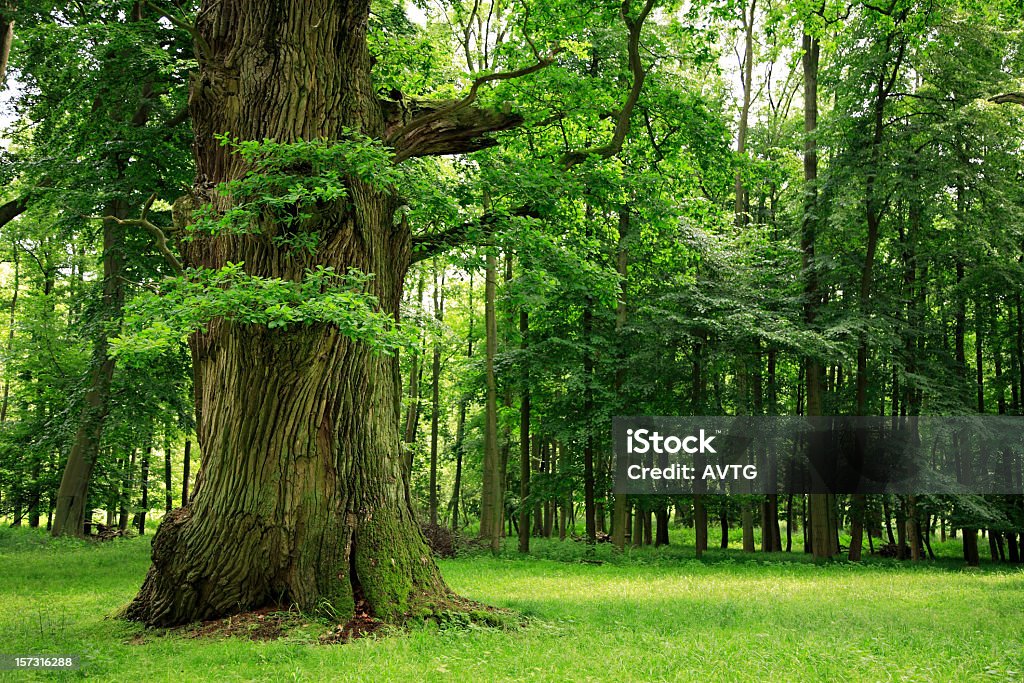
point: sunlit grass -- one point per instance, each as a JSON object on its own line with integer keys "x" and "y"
{"x": 651, "y": 614}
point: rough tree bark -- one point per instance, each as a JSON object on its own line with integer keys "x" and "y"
{"x": 300, "y": 495}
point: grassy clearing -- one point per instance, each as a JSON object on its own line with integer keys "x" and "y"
{"x": 651, "y": 614}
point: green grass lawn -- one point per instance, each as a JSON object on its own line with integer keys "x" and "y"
{"x": 648, "y": 615}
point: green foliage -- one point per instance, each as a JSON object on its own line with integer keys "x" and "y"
{"x": 157, "y": 321}
{"x": 286, "y": 183}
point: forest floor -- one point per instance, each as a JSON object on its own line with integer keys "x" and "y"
{"x": 654, "y": 614}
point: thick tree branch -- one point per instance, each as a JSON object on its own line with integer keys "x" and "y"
{"x": 6, "y": 38}
{"x": 451, "y": 127}
{"x": 449, "y": 130}
{"x": 639, "y": 73}
{"x": 431, "y": 244}
{"x": 1009, "y": 98}
{"x": 13, "y": 209}
{"x": 425, "y": 246}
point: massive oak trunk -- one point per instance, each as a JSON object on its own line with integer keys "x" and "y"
{"x": 300, "y": 497}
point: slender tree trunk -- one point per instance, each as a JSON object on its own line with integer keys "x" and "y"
{"x": 524, "y": 439}
{"x": 140, "y": 516}
{"x": 979, "y": 335}
{"x": 747, "y": 70}
{"x": 858, "y": 506}
{"x": 997, "y": 366}
{"x": 126, "y": 487}
{"x": 16, "y": 284}
{"x": 491, "y": 496}
{"x": 35, "y": 498}
{"x": 72, "y": 496}
{"x": 901, "y": 528}
{"x": 820, "y": 533}
{"x": 565, "y": 504}
{"x": 748, "y": 527}
{"x": 168, "y": 490}
{"x": 69, "y": 518}
{"x": 700, "y": 524}
{"x": 873, "y": 213}
{"x": 412, "y": 411}
{"x": 506, "y": 402}
{"x": 6, "y": 39}
{"x": 637, "y": 536}
{"x": 588, "y": 443}
{"x": 914, "y": 529}
{"x": 435, "y": 400}
{"x": 460, "y": 427}
{"x": 1019, "y": 351}
{"x": 887, "y": 512}
{"x": 789, "y": 523}
{"x": 186, "y": 472}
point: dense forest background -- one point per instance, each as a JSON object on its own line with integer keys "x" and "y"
{"x": 732, "y": 208}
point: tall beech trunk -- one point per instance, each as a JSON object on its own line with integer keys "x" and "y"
{"x": 16, "y": 286}
{"x": 412, "y": 411}
{"x": 524, "y": 441}
{"x": 435, "y": 394}
{"x": 72, "y": 496}
{"x": 589, "y": 511}
{"x": 300, "y": 496}
{"x": 460, "y": 427}
{"x": 741, "y": 217}
{"x": 69, "y": 518}
{"x": 127, "y": 470}
{"x": 491, "y": 495}
{"x": 620, "y": 511}
{"x": 817, "y": 504}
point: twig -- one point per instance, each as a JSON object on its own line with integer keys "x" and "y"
{"x": 202, "y": 47}
{"x": 159, "y": 238}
